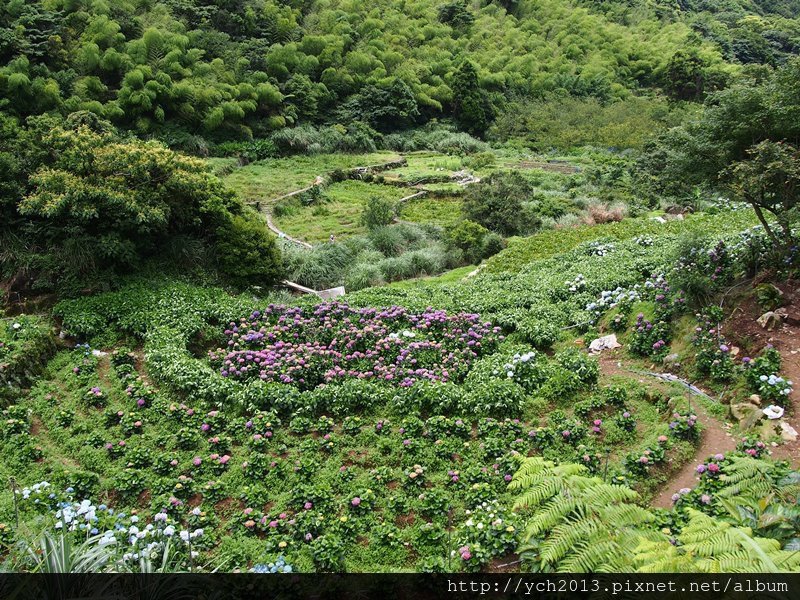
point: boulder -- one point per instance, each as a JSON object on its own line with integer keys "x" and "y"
{"x": 767, "y": 431}
{"x": 755, "y": 399}
{"x": 788, "y": 433}
{"x": 607, "y": 342}
{"x": 772, "y": 319}
{"x": 672, "y": 359}
{"x": 746, "y": 414}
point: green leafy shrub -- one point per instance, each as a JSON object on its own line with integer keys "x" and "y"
{"x": 499, "y": 398}
{"x": 247, "y": 252}
{"x": 378, "y": 212}
{"x": 498, "y": 203}
{"x": 26, "y": 343}
{"x": 469, "y": 237}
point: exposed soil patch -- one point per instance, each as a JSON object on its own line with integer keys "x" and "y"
{"x": 504, "y": 564}
{"x": 743, "y": 331}
{"x": 104, "y": 370}
{"x": 715, "y": 437}
{"x": 144, "y": 498}
{"x": 551, "y": 166}
{"x": 226, "y": 508}
{"x": 139, "y": 365}
{"x": 405, "y": 520}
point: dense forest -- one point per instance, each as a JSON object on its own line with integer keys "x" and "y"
{"x": 429, "y": 285}
{"x": 193, "y": 73}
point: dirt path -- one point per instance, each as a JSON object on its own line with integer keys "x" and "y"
{"x": 790, "y": 370}
{"x": 743, "y": 330}
{"x": 715, "y": 437}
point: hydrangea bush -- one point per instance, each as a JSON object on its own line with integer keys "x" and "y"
{"x": 331, "y": 342}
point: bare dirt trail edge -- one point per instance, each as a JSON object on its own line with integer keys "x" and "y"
{"x": 714, "y": 438}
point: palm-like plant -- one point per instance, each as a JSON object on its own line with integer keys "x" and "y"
{"x": 766, "y": 517}
{"x": 60, "y": 553}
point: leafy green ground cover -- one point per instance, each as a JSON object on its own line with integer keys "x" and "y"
{"x": 390, "y": 488}
{"x": 438, "y": 424}
{"x": 521, "y": 251}
{"x": 346, "y": 438}
{"x": 426, "y": 166}
{"x": 267, "y": 179}
{"x": 436, "y": 210}
{"x": 338, "y": 212}
{"x": 26, "y": 343}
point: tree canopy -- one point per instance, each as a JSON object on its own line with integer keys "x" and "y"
{"x": 191, "y": 71}
{"x": 96, "y": 204}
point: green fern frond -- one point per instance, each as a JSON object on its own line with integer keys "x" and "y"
{"x": 709, "y": 545}
{"x": 747, "y": 477}
{"x": 540, "y": 491}
{"x": 565, "y": 538}
{"x": 551, "y": 515}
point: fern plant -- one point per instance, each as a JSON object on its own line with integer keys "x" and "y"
{"x": 708, "y": 545}
{"x": 763, "y": 496}
{"x": 578, "y": 523}
{"x": 746, "y": 476}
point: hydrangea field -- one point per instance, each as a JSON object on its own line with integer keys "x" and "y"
{"x": 188, "y": 429}
{"x": 333, "y": 341}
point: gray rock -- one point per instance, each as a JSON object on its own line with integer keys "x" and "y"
{"x": 772, "y": 319}
{"x": 788, "y": 433}
{"x": 672, "y": 359}
{"x": 746, "y": 414}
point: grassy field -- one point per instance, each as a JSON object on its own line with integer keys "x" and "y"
{"x": 268, "y": 179}
{"x": 450, "y": 276}
{"x": 423, "y": 165}
{"x": 220, "y": 164}
{"x": 438, "y": 211}
{"x": 338, "y": 214}
{"x": 523, "y": 250}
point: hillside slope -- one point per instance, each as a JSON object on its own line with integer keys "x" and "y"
{"x": 189, "y": 69}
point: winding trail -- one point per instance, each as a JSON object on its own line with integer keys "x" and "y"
{"x": 462, "y": 178}
{"x": 714, "y": 439}
{"x": 265, "y": 208}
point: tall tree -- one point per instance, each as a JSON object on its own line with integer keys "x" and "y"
{"x": 769, "y": 180}
{"x": 472, "y": 107}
